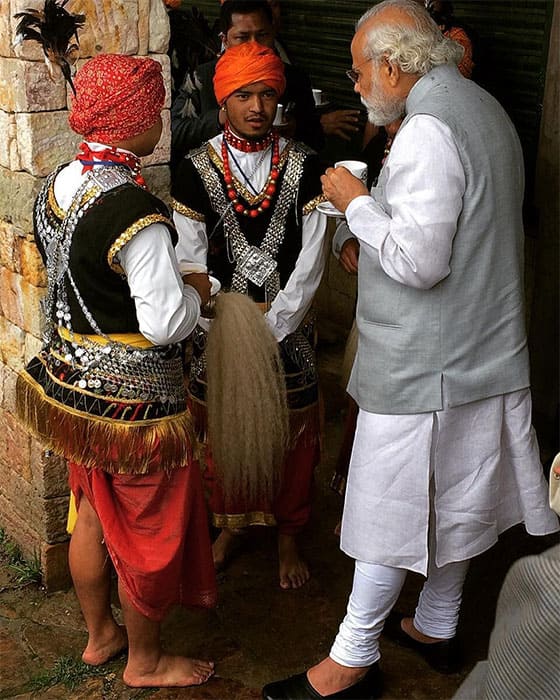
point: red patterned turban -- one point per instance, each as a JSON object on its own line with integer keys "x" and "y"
{"x": 117, "y": 97}
{"x": 245, "y": 64}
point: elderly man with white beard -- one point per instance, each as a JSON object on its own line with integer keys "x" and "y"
{"x": 444, "y": 457}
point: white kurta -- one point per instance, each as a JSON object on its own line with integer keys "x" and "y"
{"x": 470, "y": 471}
{"x": 293, "y": 301}
{"x": 167, "y": 310}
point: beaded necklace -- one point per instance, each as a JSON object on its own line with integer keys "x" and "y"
{"x": 243, "y": 144}
{"x": 110, "y": 156}
{"x": 251, "y": 147}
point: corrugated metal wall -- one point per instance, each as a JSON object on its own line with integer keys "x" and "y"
{"x": 513, "y": 34}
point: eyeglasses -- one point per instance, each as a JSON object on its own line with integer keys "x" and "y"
{"x": 354, "y": 74}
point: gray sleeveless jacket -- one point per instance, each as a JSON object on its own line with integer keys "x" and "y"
{"x": 467, "y": 332}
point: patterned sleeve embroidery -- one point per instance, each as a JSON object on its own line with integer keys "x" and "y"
{"x": 129, "y": 234}
{"x": 186, "y": 211}
{"x": 308, "y": 208}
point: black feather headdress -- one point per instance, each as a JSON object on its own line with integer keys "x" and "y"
{"x": 56, "y": 30}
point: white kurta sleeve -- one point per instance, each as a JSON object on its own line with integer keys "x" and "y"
{"x": 424, "y": 193}
{"x": 291, "y": 304}
{"x": 341, "y": 235}
{"x": 192, "y": 247}
{"x": 167, "y": 310}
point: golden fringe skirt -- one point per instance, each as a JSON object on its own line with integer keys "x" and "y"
{"x": 126, "y": 435}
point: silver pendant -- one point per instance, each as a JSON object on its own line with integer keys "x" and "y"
{"x": 255, "y": 265}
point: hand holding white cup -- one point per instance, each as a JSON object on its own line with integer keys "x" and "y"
{"x": 343, "y": 183}
{"x": 357, "y": 167}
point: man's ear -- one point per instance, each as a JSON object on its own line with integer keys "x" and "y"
{"x": 393, "y": 72}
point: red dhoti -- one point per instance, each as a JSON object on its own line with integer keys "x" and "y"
{"x": 156, "y": 533}
{"x": 291, "y": 508}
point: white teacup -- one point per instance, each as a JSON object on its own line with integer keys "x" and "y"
{"x": 357, "y": 167}
{"x": 208, "y": 310}
{"x": 317, "y": 96}
{"x": 215, "y": 285}
{"x": 279, "y": 118}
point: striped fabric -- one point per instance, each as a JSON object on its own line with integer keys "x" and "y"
{"x": 524, "y": 654}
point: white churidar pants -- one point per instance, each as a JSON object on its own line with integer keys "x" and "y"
{"x": 433, "y": 487}
{"x": 375, "y": 591}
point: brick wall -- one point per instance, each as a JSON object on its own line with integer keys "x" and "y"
{"x": 35, "y": 138}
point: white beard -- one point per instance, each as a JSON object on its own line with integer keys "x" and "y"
{"x": 382, "y": 110}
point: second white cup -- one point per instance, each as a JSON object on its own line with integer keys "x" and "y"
{"x": 317, "y": 96}
{"x": 279, "y": 118}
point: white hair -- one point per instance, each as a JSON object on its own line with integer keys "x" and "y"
{"x": 415, "y": 49}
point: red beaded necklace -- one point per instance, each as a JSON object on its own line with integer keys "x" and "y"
{"x": 245, "y": 145}
{"x": 251, "y": 147}
{"x": 110, "y": 156}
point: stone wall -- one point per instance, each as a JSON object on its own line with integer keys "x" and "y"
{"x": 35, "y": 138}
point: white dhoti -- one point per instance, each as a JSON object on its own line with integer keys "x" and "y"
{"x": 472, "y": 470}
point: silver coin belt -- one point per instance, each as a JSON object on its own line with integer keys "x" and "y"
{"x": 120, "y": 372}
{"x": 298, "y": 348}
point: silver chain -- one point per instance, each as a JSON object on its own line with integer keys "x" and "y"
{"x": 235, "y": 237}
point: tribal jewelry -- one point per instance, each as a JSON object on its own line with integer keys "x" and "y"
{"x": 247, "y": 178}
{"x": 245, "y": 145}
{"x": 110, "y": 156}
{"x": 270, "y": 185}
{"x": 252, "y": 263}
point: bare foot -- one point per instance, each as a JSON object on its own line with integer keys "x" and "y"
{"x": 170, "y": 671}
{"x": 328, "y": 677}
{"x": 105, "y": 646}
{"x": 225, "y": 546}
{"x": 407, "y": 625}
{"x": 294, "y": 572}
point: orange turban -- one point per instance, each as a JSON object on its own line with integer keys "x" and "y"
{"x": 245, "y": 64}
{"x": 117, "y": 97}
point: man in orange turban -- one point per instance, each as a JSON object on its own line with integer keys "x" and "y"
{"x": 246, "y": 64}
{"x": 246, "y": 208}
{"x": 195, "y": 113}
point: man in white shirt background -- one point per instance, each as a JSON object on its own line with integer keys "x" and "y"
{"x": 444, "y": 457}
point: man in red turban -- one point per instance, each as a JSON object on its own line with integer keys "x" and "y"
{"x": 246, "y": 208}
{"x": 106, "y": 390}
{"x": 117, "y": 97}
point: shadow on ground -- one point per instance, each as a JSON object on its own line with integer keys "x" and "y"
{"x": 257, "y": 633}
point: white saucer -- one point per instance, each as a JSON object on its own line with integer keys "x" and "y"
{"x": 323, "y": 104}
{"x": 284, "y": 123}
{"x": 215, "y": 285}
{"x": 328, "y": 209}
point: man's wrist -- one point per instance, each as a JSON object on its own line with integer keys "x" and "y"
{"x": 341, "y": 235}
{"x": 355, "y": 204}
